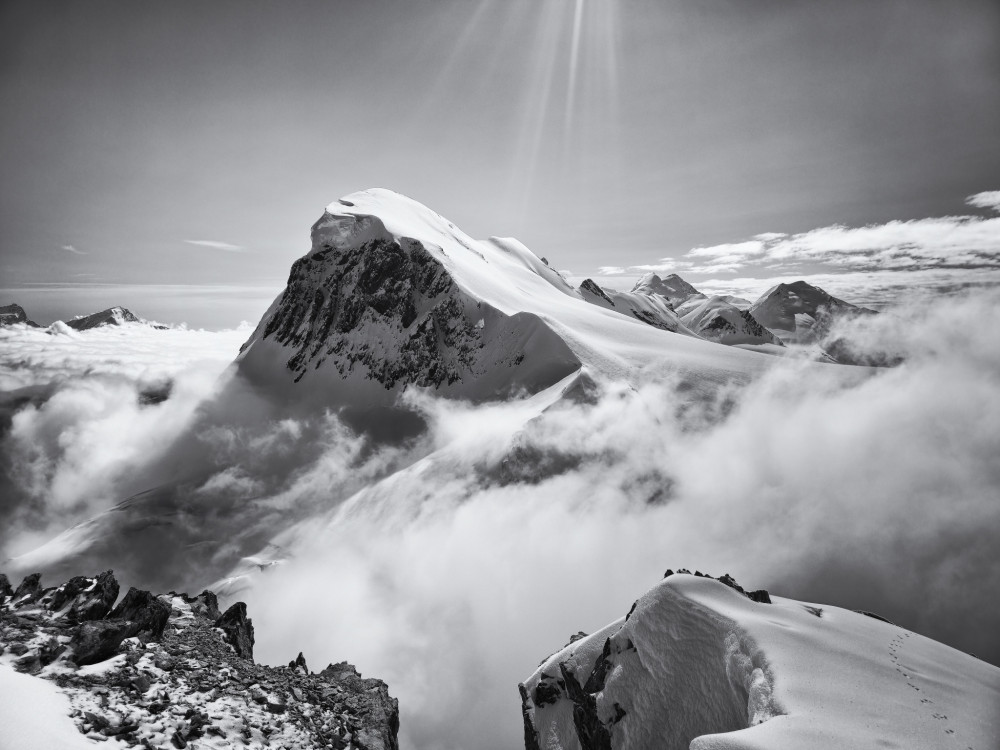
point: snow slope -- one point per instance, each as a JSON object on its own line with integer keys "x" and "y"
{"x": 34, "y": 715}
{"x": 393, "y": 294}
{"x": 673, "y": 287}
{"x": 652, "y": 309}
{"x": 698, "y": 664}
{"x": 717, "y": 319}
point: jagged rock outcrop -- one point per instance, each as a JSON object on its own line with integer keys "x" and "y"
{"x": 368, "y": 311}
{"x": 12, "y": 314}
{"x": 172, "y": 679}
{"x": 113, "y": 316}
{"x": 238, "y": 629}
{"x": 86, "y": 598}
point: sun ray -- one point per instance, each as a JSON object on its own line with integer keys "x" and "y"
{"x": 574, "y": 62}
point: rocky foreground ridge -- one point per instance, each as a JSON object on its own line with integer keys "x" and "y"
{"x": 172, "y": 671}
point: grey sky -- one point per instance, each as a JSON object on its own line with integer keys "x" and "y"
{"x": 192, "y": 143}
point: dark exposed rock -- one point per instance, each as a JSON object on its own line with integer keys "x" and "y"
{"x": 591, "y": 287}
{"x": 30, "y": 587}
{"x": 86, "y": 598}
{"x": 380, "y": 710}
{"x": 299, "y": 662}
{"x": 595, "y": 682}
{"x": 184, "y": 682}
{"x": 547, "y": 691}
{"x": 113, "y": 316}
{"x": 873, "y": 616}
{"x": 96, "y": 641}
{"x": 5, "y": 589}
{"x": 530, "y": 735}
{"x": 238, "y": 629}
{"x": 590, "y": 730}
{"x": 760, "y": 595}
{"x": 11, "y": 314}
{"x": 147, "y": 613}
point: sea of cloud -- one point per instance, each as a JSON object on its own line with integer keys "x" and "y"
{"x": 76, "y": 417}
{"x": 453, "y": 578}
{"x": 451, "y": 567}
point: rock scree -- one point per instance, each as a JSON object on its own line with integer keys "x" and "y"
{"x": 171, "y": 671}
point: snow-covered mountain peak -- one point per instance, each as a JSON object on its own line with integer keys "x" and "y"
{"x": 673, "y": 287}
{"x": 113, "y": 316}
{"x": 392, "y": 294}
{"x": 800, "y": 312}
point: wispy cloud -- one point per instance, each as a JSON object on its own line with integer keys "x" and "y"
{"x": 216, "y": 245}
{"x": 947, "y": 242}
{"x": 73, "y": 249}
{"x": 988, "y": 199}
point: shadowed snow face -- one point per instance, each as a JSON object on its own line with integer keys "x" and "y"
{"x": 454, "y": 576}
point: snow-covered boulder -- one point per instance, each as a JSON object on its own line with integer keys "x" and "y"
{"x": 699, "y": 663}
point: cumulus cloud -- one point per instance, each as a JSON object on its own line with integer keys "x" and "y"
{"x": 958, "y": 243}
{"x": 987, "y": 199}
{"x": 216, "y": 245}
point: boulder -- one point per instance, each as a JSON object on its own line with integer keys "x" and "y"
{"x": 97, "y": 640}
{"x": 148, "y": 613}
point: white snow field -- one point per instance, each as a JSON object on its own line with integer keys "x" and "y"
{"x": 697, "y": 664}
{"x": 34, "y": 715}
{"x": 522, "y": 326}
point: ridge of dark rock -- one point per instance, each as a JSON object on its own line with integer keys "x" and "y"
{"x": 14, "y": 313}
{"x": 169, "y": 677}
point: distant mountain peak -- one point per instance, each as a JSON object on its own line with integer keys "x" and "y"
{"x": 800, "y": 312}
{"x": 113, "y": 316}
{"x": 14, "y": 313}
{"x": 673, "y": 287}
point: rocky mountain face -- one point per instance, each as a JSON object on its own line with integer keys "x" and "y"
{"x": 800, "y": 312}
{"x": 177, "y": 672}
{"x": 113, "y": 316}
{"x": 11, "y": 314}
{"x": 369, "y": 312}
